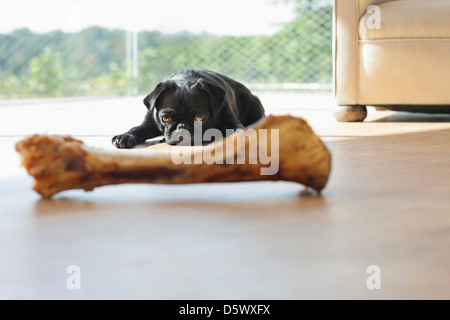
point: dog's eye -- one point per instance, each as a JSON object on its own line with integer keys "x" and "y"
{"x": 166, "y": 118}
{"x": 200, "y": 117}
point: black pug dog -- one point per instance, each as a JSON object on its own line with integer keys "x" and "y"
{"x": 189, "y": 97}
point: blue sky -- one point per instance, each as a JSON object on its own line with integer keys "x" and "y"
{"x": 234, "y": 17}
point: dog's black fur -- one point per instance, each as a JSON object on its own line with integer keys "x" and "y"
{"x": 193, "y": 96}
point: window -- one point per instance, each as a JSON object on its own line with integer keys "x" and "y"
{"x": 84, "y": 48}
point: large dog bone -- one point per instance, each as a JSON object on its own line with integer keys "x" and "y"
{"x": 60, "y": 163}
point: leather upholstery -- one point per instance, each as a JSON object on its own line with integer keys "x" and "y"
{"x": 405, "y": 62}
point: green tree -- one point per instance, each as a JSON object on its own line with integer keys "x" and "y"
{"x": 92, "y": 61}
{"x": 299, "y": 53}
{"x": 46, "y": 74}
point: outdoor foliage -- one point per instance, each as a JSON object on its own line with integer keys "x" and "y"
{"x": 93, "y": 61}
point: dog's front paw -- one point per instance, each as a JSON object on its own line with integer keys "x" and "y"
{"x": 124, "y": 141}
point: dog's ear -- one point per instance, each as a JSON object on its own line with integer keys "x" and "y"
{"x": 151, "y": 99}
{"x": 215, "y": 92}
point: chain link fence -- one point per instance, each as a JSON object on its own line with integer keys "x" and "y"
{"x": 98, "y": 62}
{"x": 299, "y": 56}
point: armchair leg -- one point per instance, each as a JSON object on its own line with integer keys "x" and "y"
{"x": 351, "y": 113}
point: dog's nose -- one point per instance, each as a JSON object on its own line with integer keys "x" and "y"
{"x": 181, "y": 126}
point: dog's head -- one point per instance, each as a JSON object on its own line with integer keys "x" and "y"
{"x": 180, "y": 105}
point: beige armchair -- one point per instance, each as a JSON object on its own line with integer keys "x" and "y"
{"x": 395, "y": 54}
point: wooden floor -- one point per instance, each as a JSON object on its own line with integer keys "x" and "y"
{"x": 387, "y": 204}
